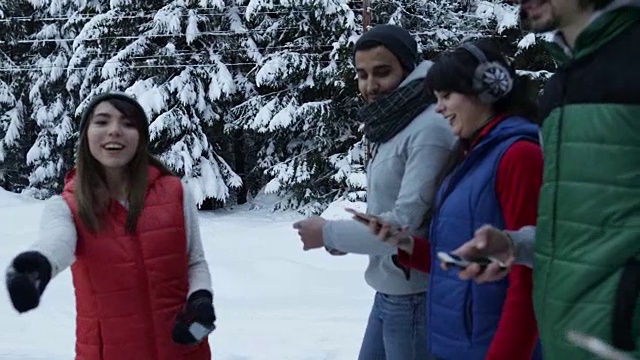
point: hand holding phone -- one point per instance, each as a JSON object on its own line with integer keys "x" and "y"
{"x": 454, "y": 260}
{"x": 199, "y": 331}
{"x": 392, "y": 235}
{"x": 364, "y": 219}
{"x": 196, "y": 320}
{"x": 367, "y": 219}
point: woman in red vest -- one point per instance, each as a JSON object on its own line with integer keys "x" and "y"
{"x": 129, "y": 230}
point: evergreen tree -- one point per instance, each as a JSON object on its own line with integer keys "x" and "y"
{"x": 166, "y": 55}
{"x": 16, "y": 131}
{"x": 303, "y": 113}
{"x": 526, "y": 50}
{"x": 311, "y": 146}
{"x": 52, "y": 101}
{"x": 268, "y": 87}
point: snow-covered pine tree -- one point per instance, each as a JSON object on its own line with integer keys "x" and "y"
{"x": 52, "y": 101}
{"x": 15, "y": 128}
{"x": 440, "y": 24}
{"x": 165, "y": 54}
{"x": 314, "y": 158}
{"x": 303, "y": 112}
{"x": 436, "y": 24}
{"x": 526, "y": 50}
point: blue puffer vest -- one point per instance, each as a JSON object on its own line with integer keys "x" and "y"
{"x": 463, "y": 316}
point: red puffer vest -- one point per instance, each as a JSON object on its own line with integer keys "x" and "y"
{"x": 130, "y": 288}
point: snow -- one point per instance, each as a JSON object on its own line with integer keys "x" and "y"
{"x": 167, "y": 20}
{"x": 9, "y": 201}
{"x": 192, "y": 28}
{"x": 263, "y": 116}
{"x": 270, "y": 71}
{"x": 14, "y": 128}
{"x": 527, "y": 41}
{"x": 152, "y": 98}
{"x": 283, "y": 118}
{"x": 273, "y": 300}
{"x": 505, "y": 15}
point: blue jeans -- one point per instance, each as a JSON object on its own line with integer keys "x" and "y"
{"x": 397, "y": 329}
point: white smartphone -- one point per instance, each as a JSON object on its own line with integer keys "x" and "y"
{"x": 199, "y": 331}
{"x": 454, "y": 260}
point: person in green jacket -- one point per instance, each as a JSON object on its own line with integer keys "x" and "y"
{"x": 586, "y": 253}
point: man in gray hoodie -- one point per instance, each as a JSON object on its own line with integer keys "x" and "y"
{"x": 410, "y": 147}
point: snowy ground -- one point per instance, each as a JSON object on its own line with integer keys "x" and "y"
{"x": 273, "y": 300}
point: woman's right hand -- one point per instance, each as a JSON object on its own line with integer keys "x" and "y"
{"x": 26, "y": 279}
{"x": 392, "y": 235}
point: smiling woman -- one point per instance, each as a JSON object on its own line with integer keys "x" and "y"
{"x": 112, "y": 123}
{"x": 128, "y": 227}
{"x": 113, "y": 137}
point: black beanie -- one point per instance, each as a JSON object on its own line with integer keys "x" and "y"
{"x": 395, "y": 39}
{"x": 84, "y": 120}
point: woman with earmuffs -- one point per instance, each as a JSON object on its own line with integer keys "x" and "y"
{"x": 494, "y": 178}
{"x": 128, "y": 228}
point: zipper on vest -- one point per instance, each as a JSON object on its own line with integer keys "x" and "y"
{"x": 468, "y": 313}
{"x": 554, "y": 211}
{"x": 554, "y": 205}
{"x": 143, "y": 283}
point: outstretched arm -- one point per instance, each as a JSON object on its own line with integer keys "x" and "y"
{"x": 58, "y": 236}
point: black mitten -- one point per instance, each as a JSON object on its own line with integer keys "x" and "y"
{"x": 334, "y": 252}
{"x": 199, "y": 310}
{"x": 26, "y": 279}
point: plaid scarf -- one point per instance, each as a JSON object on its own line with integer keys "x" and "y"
{"x": 387, "y": 116}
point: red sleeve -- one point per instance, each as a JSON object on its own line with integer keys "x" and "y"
{"x": 420, "y": 259}
{"x": 518, "y": 182}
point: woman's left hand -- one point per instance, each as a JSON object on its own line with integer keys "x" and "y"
{"x": 199, "y": 309}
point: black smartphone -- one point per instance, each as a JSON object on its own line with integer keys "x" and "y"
{"x": 360, "y": 217}
{"x": 454, "y": 260}
{"x": 365, "y": 220}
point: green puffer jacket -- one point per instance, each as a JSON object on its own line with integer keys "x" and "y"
{"x": 588, "y": 231}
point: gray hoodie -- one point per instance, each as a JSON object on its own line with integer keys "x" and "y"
{"x": 401, "y": 183}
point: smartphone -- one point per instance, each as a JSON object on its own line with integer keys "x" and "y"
{"x": 359, "y": 217}
{"x": 199, "y": 331}
{"x": 454, "y": 260}
{"x": 365, "y": 219}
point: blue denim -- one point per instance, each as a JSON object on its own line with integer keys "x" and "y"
{"x": 397, "y": 329}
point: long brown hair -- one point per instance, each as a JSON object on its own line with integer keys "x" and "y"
{"x": 91, "y": 191}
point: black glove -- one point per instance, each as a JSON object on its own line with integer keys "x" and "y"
{"x": 27, "y": 278}
{"x": 199, "y": 309}
{"x": 334, "y": 252}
